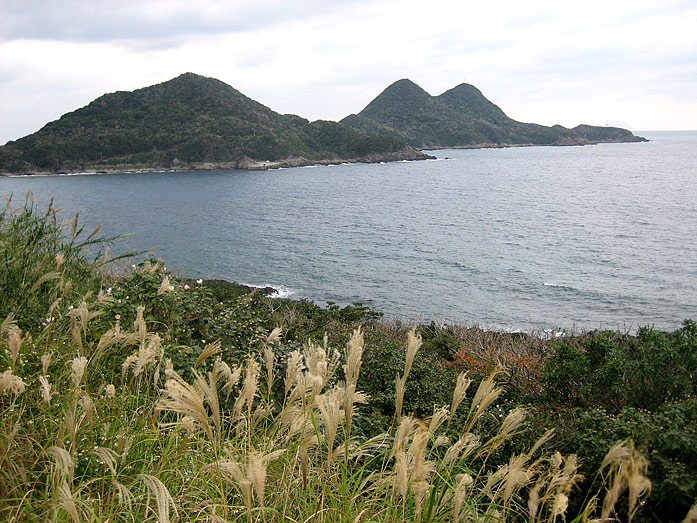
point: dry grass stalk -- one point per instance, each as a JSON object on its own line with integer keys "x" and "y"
{"x": 107, "y": 456}
{"x": 77, "y": 370}
{"x": 628, "y": 471}
{"x": 209, "y": 391}
{"x": 354, "y": 357}
{"x": 110, "y": 390}
{"x": 162, "y": 497}
{"x": 511, "y": 423}
{"x": 249, "y": 387}
{"x": 165, "y": 286}
{"x": 209, "y": 350}
{"x": 486, "y": 394}
{"x": 399, "y": 385}
{"x": 269, "y": 360}
{"x": 53, "y": 275}
{"x": 87, "y": 405}
{"x": 413, "y": 345}
{"x": 351, "y": 371}
{"x": 437, "y": 419}
{"x": 223, "y": 372}
{"x": 294, "y": 366}
{"x": 540, "y": 442}
{"x": 414, "y": 342}
{"x": 126, "y": 497}
{"x": 329, "y": 405}
{"x": 46, "y": 362}
{"x": 14, "y": 341}
{"x": 517, "y": 476}
{"x": 274, "y": 336}
{"x": 186, "y": 400}
{"x": 461, "y": 386}
{"x": 64, "y": 465}
{"x": 462, "y": 487}
{"x": 11, "y": 383}
{"x": 45, "y": 389}
{"x": 7, "y": 325}
{"x": 249, "y": 477}
{"x": 67, "y": 501}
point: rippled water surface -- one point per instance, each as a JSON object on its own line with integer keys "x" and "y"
{"x": 521, "y": 238}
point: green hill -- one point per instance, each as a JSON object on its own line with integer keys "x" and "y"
{"x": 463, "y": 117}
{"x": 189, "y": 122}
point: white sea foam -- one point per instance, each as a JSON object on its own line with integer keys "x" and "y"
{"x": 280, "y": 291}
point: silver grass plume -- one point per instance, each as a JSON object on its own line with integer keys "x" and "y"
{"x": 165, "y": 286}
{"x": 46, "y": 362}
{"x": 11, "y": 383}
{"x": 294, "y": 366}
{"x": 126, "y": 497}
{"x": 162, "y": 497}
{"x": 14, "y": 342}
{"x": 77, "y": 368}
{"x": 106, "y": 456}
{"x": 486, "y": 394}
{"x": 249, "y": 387}
{"x": 329, "y": 405}
{"x": 67, "y": 501}
{"x": 187, "y": 400}
{"x": 351, "y": 371}
{"x": 209, "y": 350}
{"x": 461, "y": 386}
{"x": 628, "y": 471}
{"x": 45, "y": 389}
{"x": 63, "y": 462}
{"x": 413, "y": 345}
{"x": 438, "y": 418}
{"x": 462, "y": 484}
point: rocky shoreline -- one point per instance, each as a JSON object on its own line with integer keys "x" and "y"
{"x": 510, "y": 145}
{"x": 244, "y": 163}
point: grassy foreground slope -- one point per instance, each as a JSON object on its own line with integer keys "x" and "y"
{"x": 189, "y": 122}
{"x": 463, "y": 117}
{"x": 152, "y": 397}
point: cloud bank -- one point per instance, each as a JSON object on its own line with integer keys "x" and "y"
{"x": 629, "y": 63}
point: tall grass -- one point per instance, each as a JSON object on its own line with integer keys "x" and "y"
{"x": 96, "y": 423}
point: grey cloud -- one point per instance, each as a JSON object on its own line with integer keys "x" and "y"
{"x": 113, "y": 20}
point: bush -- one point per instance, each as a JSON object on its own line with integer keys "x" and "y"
{"x": 615, "y": 371}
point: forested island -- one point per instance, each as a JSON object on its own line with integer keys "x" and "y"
{"x": 194, "y": 122}
{"x": 463, "y": 117}
{"x": 190, "y": 122}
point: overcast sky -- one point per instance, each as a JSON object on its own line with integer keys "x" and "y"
{"x": 629, "y": 63}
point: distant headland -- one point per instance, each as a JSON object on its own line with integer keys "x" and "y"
{"x": 463, "y": 118}
{"x": 197, "y": 123}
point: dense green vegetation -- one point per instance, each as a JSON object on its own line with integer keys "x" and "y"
{"x": 150, "y": 396}
{"x": 462, "y": 116}
{"x": 190, "y": 121}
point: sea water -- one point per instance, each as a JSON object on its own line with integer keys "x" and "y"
{"x": 529, "y": 238}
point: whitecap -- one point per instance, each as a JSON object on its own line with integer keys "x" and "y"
{"x": 279, "y": 291}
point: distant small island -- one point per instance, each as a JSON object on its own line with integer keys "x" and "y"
{"x": 463, "y": 118}
{"x": 197, "y": 123}
{"x": 190, "y": 122}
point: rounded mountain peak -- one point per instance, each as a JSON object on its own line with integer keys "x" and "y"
{"x": 405, "y": 87}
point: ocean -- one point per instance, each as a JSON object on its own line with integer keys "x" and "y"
{"x": 529, "y": 238}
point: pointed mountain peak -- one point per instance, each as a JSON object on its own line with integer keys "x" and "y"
{"x": 398, "y": 96}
